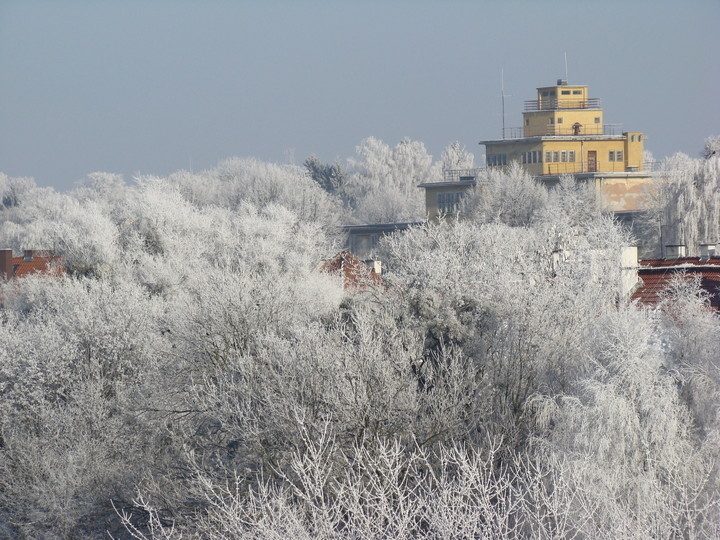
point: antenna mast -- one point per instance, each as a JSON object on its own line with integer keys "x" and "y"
{"x": 502, "y": 94}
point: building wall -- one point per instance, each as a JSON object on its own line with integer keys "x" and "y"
{"x": 431, "y": 198}
{"x": 626, "y": 193}
{"x": 571, "y": 155}
{"x": 560, "y": 122}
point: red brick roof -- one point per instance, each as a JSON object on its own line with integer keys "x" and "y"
{"x": 356, "y": 274}
{"x": 656, "y": 274}
{"x": 36, "y": 262}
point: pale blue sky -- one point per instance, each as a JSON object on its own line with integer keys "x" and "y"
{"x": 156, "y": 86}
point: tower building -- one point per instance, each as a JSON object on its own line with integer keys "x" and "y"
{"x": 563, "y": 132}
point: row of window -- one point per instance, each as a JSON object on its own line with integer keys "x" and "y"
{"x": 551, "y": 93}
{"x": 495, "y": 160}
{"x": 632, "y": 138}
{"x": 559, "y": 156}
{"x": 449, "y": 203}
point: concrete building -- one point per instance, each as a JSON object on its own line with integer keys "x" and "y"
{"x": 563, "y": 132}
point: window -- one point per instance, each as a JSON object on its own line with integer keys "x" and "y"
{"x": 548, "y": 157}
{"x": 612, "y": 155}
{"x": 597, "y": 119}
{"x": 619, "y": 155}
{"x": 559, "y": 120}
{"x": 556, "y": 156}
{"x": 546, "y": 93}
{"x": 571, "y": 156}
{"x": 527, "y": 121}
{"x": 449, "y": 202}
{"x": 524, "y": 158}
{"x": 552, "y": 120}
{"x": 639, "y": 138}
{"x": 632, "y": 138}
{"x": 563, "y": 156}
{"x": 577, "y": 92}
{"x": 566, "y": 92}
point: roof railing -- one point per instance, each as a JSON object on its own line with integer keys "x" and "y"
{"x": 551, "y": 104}
{"x": 553, "y": 130}
{"x": 456, "y": 175}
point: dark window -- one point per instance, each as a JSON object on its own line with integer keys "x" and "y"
{"x": 449, "y": 202}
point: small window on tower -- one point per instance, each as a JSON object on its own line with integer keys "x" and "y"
{"x": 611, "y": 157}
{"x": 563, "y": 156}
{"x": 548, "y": 157}
{"x": 577, "y": 92}
{"x": 556, "y": 156}
{"x": 597, "y": 119}
{"x": 527, "y": 121}
{"x": 619, "y": 155}
{"x": 566, "y": 92}
{"x": 571, "y": 156}
{"x": 559, "y": 120}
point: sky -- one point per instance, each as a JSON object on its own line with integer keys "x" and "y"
{"x": 152, "y": 87}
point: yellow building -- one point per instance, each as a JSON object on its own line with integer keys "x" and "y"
{"x": 563, "y": 132}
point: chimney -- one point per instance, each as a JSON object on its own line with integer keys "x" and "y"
{"x": 28, "y": 255}
{"x": 707, "y": 251}
{"x": 675, "y": 251}
{"x": 6, "y": 264}
{"x": 375, "y": 266}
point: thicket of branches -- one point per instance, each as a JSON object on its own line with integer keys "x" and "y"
{"x": 196, "y": 376}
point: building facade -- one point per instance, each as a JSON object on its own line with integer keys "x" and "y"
{"x": 563, "y": 132}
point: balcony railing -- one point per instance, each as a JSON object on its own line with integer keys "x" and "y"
{"x": 455, "y": 175}
{"x": 550, "y": 104}
{"x": 552, "y": 130}
{"x": 590, "y": 166}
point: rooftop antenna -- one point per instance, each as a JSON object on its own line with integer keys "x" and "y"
{"x": 502, "y": 93}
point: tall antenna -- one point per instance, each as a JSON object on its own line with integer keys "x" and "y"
{"x": 566, "y": 70}
{"x": 502, "y": 94}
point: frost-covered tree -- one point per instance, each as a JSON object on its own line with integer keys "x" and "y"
{"x": 455, "y": 156}
{"x": 685, "y": 202}
{"x": 195, "y": 374}
{"x": 381, "y": 183}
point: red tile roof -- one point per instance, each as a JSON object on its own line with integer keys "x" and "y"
{"x": 52, "y": 265}
{"x": 356, "y": 274}
{"x": 656, "y": 274}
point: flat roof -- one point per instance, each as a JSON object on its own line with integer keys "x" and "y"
{"x": 537, "y": 138}
{"x": 455, "y": 183}
{"x": 382, "y": 227}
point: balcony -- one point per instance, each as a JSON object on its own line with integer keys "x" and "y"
{"x": 552, "y": 104}
{"x": 553, "y": 130}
